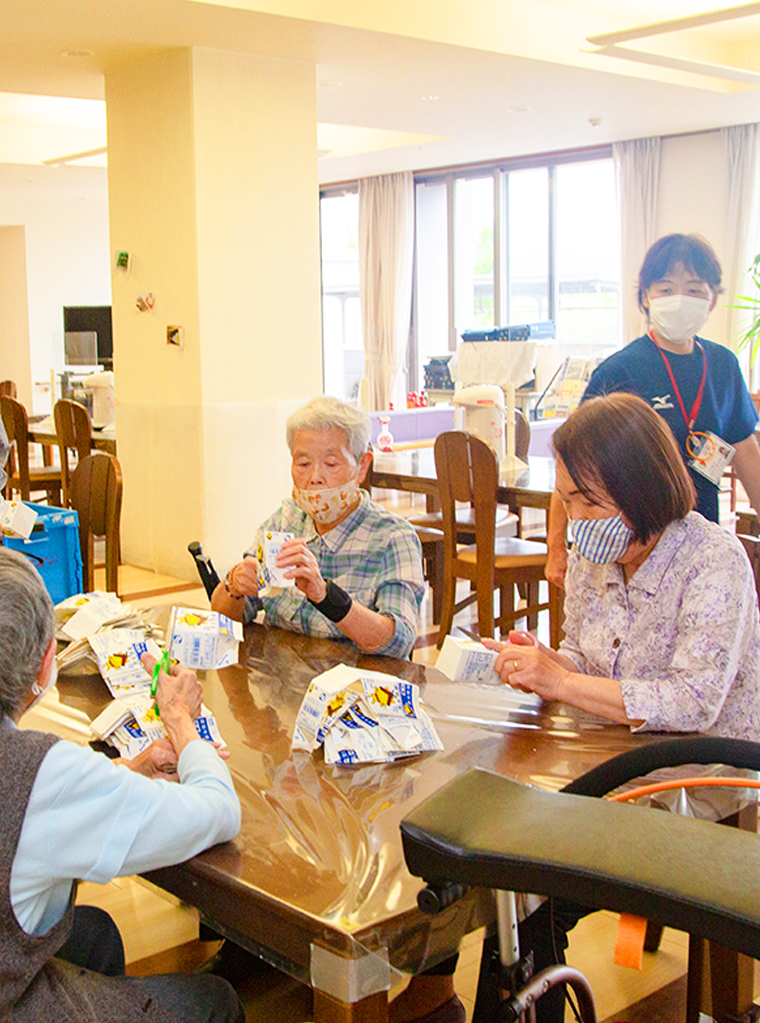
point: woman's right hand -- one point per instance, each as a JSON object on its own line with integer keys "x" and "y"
{"x": 556, "y": 566}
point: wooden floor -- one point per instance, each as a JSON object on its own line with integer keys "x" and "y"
{"x": 160, "y": 935}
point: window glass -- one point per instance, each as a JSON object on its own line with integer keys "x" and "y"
{"x": 528, "y": 245}
{"x": 588, "y": 260}
{"x": 473, "y": 253}
{"x": 431, "y": 280}
{"x": 343, "y": 352}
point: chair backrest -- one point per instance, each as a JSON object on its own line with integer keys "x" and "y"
{"x": 522, "y": 434}
{"x": 751, "y": 545}
{"x": 8, "y": 389}
{"x": 467, "y": 471}
{"x": 16, "y": 423}
{"x": 73, "y": 428}
{"x": 96, "y": 489}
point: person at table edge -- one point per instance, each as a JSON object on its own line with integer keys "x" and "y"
{"x": 357, "y": 567}
{"x": 685, "y": 378}
{"x": 68, "y": 812}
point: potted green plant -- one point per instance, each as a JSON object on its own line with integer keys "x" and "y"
{"x": 751, "y": 304}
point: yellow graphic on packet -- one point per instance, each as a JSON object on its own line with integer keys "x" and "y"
{"x": 192, "y": 619}
{"x": 382, "y": 696}
{"x": 117, "y": 661}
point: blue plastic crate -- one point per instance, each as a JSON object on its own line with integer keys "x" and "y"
{"x": 53, "y": 549}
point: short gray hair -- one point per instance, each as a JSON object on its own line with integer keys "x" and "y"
{"x": 328, "y": 414}
{"x": 27, "y": 624}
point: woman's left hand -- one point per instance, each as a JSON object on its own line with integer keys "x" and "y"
{"x": 528, "y": 668}
{"x": 159, "y": 760}
{"x": 297, "y": 557}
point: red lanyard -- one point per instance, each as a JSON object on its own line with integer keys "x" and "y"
{"x": 691, "y": 419}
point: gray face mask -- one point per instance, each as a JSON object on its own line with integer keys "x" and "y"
{"x": 601, "y": 540}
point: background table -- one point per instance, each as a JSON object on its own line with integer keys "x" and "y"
{"x": 44, "y": 433}
{"x": 317, "y": 873}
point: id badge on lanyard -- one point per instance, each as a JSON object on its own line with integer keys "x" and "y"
{"x": 708, "y": 453}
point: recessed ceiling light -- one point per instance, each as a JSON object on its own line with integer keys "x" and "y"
{"x": 430, "y": 99}
{"x": 77, "y": 53}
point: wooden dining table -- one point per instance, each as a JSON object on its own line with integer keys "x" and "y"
{"x": 315, "y": 883}
{"x": 43, "y": 432}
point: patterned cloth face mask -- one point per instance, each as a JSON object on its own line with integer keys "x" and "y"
{"x": 601, "y": 540}
{"x": 326, "y": 506}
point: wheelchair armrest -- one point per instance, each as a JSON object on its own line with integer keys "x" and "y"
{"x": 485, "y": 830}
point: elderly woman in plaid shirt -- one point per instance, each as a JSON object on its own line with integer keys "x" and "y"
{"x": 357, "y": 567}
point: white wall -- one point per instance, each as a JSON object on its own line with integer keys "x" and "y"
{"x": 14, "y": 316}
{"x": 693, "y": 183}
{"x": 64, "y": 213}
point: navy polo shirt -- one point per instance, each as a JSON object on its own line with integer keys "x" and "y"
{"x": 726, "y": 409}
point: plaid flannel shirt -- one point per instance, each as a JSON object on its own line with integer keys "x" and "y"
{"x": 373, "y": 554}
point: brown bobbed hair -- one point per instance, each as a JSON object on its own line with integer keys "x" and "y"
{"x": 694, "y": 252}
{"x": 618, "y": 447}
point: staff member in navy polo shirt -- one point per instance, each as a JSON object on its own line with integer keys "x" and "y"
{"x": 694, "y": 384}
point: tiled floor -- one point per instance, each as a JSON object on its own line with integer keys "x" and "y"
{"x": 159, "y": 934}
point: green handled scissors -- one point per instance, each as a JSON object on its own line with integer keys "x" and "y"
{"x": 162, "y": 665}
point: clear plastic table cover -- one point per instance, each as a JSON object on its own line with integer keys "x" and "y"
{"x": 319, "y": 858}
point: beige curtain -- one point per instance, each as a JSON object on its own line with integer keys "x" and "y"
{"x": 637, "y": 175}
{"x": 386, "y": 250}
{"x": 741, "y": 236}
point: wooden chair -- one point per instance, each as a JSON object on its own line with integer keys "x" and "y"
{"x": 467, "y": 471}
{"x": 751, "y": 545}
{"x": 747, "y": 523}
{"x": 8, "y": 389}
{"x": 508, "y": 523}
{"x": 22, "y": 477}
{"x": 73, "y": 427}
{"x": 95, "y": 489}
{"x": 432, "y": 554}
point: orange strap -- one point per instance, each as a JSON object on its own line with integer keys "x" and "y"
{"x": 629, "y": 944}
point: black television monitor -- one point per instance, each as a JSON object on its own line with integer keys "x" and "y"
{"x": 97, "y": 318}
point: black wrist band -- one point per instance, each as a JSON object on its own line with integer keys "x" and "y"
{"x": 337, "y": 602}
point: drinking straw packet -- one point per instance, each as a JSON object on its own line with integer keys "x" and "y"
{"x": 16, "y": 519}
{"x": 118, "y": 652}
{"x": 467, "y": 661}
{"x": 273, "y": 577}
{"x": 363, "y": 717}
{"x": 203, "y": 639}
{"x": 91, "y": 612}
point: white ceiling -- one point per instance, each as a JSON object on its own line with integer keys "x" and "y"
{"x": 509, "y": 77}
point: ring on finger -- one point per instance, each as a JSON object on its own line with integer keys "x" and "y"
{"x": 515, "y": 665}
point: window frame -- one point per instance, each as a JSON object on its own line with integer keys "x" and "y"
{"x": 499, "y": 171}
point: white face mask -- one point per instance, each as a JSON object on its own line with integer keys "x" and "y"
{"x": 326, "y": 506}
{"x": 677, "y": 318}
{"x": 39, "y": 691}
